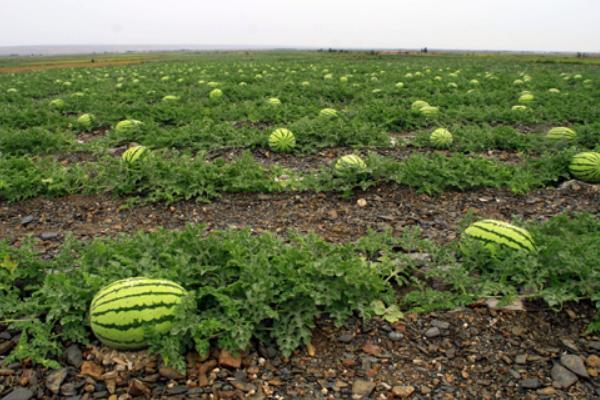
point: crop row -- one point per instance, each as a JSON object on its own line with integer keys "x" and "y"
{"x": 172, "y": 176}
{"x": 243, "y": 286}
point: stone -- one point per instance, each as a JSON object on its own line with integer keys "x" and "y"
{"x": 49, "y": 235}
{"x": 90, "y": 368}
{"x": 593, "y": 361}
{"x": 531, "y": 383}
{"x": 229, "y": 360}
{"x": 55, "y": 379}
{"x": 362, "y": 388}
{"x": 403, "y": 391}
{"x": 74, "y": 356}
{"x": 433, "y": 332}
{"x": 346, "y": 338}
{"x": 562, "y": 377}
{"x": 27, "y": 220}
{"x": 395, "y": 336}
{"x": 19, "y": 393}
{"x": 575, "y": 364}
{"x": 440, "y": 324}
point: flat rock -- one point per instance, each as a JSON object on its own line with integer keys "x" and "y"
{"x": 531, "y": 383}
{"x": 403, "y": 391}
{"x": 229, "y": 360}
{"x": 575, "y": 364}
{"x": 19, "y": 393}
{"x": 362, "y": 388}
{"x": 440, "y": 324}
{"x": 49, "y": 235}
{"x": 27, "y": 220}
{"x": 562, "y": 377}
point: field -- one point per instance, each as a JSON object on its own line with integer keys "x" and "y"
{"x": 305, "y": 277}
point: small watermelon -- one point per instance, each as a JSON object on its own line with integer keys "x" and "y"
{"x": 122, "y": 312}
{"x": 586, "y": 166}
{"x": 133, "y": 154}
{"x": 328, "y": 112}
{"x": 127, "y": 125}
{"x": 441, "y": 137}
{"x": 350, "y": 164}
{"x": 282, "y": 140}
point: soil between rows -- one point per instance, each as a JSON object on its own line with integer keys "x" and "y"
{"x": 331, "y": 216}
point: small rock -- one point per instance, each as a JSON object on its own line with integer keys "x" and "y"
{"x": 531, "y": 383}
{"x": 175, "y": 390}
{"x": 228, "y": 360}
{"x": 593, "y": 361}
{"x": 521, "y": 359}
{"x": 55, "y": 379}
{"x": 440, "y": 324}
{"x": 562, "y": 377}
{"x": 169, "y": 373}
{"x": 361, "y": 203}
{"x": 74, "y": 356}
{"x": 433, "y": 332}
{"x": 594, "y": 345}
{"x": 19, "y": 393}
{"x": 361, "y": 388}
{"x": 27, "y": 220}
{"x": 403, "y": 391}
{"x": 547, "y": 391}
{"x": 138, "y": 388}
{"x": 575, "y": 364}
{"x": 345, "y": 338}
{"x": 569, "y": 344}
{"x": 49, "y": 235}
{"x": 243, "y": 386}
{"x": 92, "y": 369}
{"x": 395, "y": 336}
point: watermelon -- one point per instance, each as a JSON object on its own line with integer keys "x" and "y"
{"x": 494, "y": 233}
{"x": 328, "y": 112}
{"x": 586, "y": 166}
{"x": 349, "y": 164}
{"x": 441, "y": 137}
{"x": 429, "y": 110}
{"x": 561, "y": 133}
{"x": 215, "y": 93}
{"x": 134, "y": 153}
{"x": 274, "y": 101}
{"x": 127, "y": 125}
{"x": 85, "y": 121}
{"x": 282, "y": 140}
{"x": 418, "y": 104}
{"x": 122, "y": 312}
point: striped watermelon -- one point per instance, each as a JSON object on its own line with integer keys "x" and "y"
{"x": 350, "y": 163}
{"x": 123, "y": 311}
{"x": 586, "y": 166}
{"x": 441, "y": 137}
{"x": 328, "y": 112}
{"x": 132, "y": 154}
{"x": 493, "y": 232}
{"x": 282, "y": 140}
{"x": 561, "y": 133}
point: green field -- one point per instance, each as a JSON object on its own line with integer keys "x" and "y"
{"x": 201, "y": 149}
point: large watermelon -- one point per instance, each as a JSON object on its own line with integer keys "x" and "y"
{"x": 493, "y": 232}
{"x": 122, "y": 312}
{"x": 586, "y": 166}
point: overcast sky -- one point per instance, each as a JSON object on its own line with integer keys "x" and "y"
{"x": 570, "y": 25}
